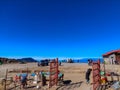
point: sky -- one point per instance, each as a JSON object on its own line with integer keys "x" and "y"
{"x": 59, "y": 28}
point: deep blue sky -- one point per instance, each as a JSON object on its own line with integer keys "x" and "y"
{"x": 59, "y": 28}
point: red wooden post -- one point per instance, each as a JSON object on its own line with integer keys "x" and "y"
{"x": 96, "y": 74}
{"x": 56, "y": 71}
{"x": 53, "y": 79}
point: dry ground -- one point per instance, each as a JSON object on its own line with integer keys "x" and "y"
{"x": 74, "y": 74}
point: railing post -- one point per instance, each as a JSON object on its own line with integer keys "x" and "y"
{"x": 96, "y": 74}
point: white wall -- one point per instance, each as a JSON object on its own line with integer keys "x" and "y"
{"x": 106, "y": 59}
{"x": 112, "y": 58}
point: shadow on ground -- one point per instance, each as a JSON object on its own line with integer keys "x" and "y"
{"x": 67, "y": 85}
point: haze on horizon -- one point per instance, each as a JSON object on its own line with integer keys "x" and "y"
{"x": 59, "y": 28}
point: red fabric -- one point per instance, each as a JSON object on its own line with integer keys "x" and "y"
{"x": 17, "y": 78}
{"x": 104, "y": 79}
{"x": 107, "y": 74}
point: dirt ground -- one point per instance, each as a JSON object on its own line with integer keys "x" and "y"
{"x": 74, "y": 74}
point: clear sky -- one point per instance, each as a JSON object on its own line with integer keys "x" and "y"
{"x": 59, "y": 28}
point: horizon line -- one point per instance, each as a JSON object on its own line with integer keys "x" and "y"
{"x": 38, "y": 57}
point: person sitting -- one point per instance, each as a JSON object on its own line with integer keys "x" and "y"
{"x": 60, "y": 75}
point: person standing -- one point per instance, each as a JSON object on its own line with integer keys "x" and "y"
{"x": 24, "y": 80}
{"x": 87, "y": 76}
{"x": 88, "y": 61}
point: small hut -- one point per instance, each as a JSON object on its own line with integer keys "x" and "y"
{"x": 112, "y": 57}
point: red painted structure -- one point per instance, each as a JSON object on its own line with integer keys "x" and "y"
{"x": 112, "y": 56}
{"x": 111, "y": 52}
{"x": 96, "y": 74}
{"x": 53, "y": 79}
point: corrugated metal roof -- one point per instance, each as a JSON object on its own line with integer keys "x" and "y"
{"x": 111, "y": 52}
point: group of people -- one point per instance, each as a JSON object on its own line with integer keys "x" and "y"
{"x": 23, "y": 78}
{"x": 37, "y": 76}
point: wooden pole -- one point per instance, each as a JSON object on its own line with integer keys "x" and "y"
{"x": 50, "y": 74}
{"x": 117, "y": 77}
{"x": 57, "y": 71}
{"x": 27, "y": 70}
{"x": 5, "y": 79}
{"x": 112, "y": 78}
{"x": 104, "y": 69}
{"x": 96, "y": 74}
